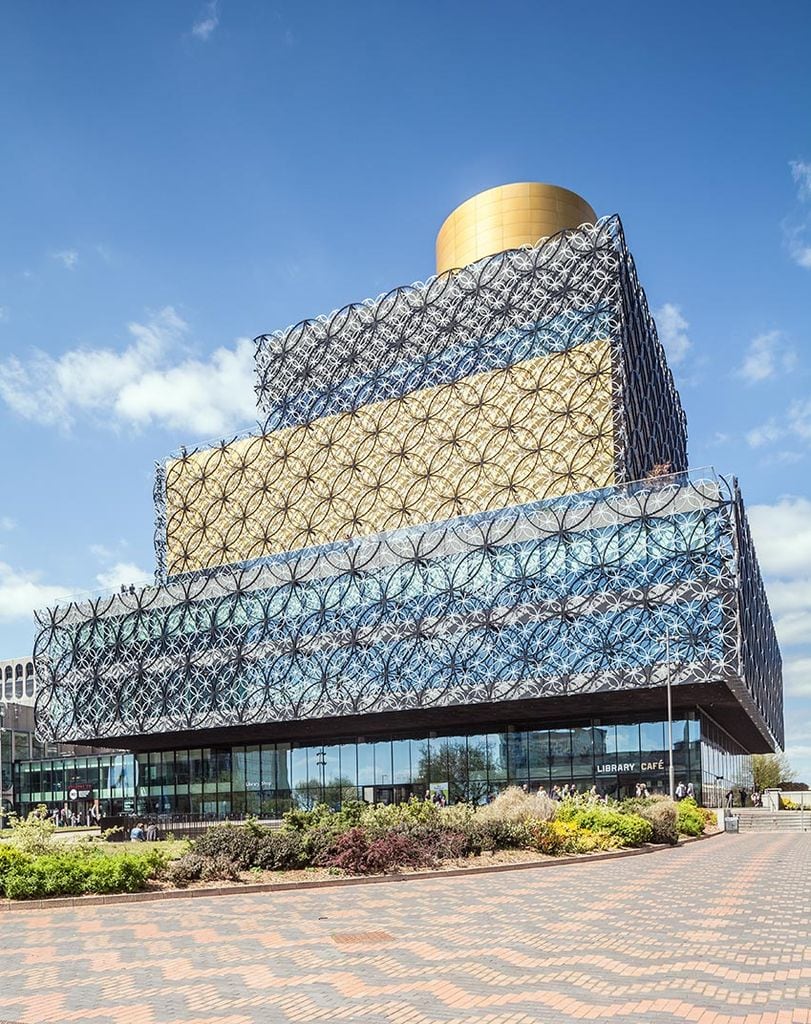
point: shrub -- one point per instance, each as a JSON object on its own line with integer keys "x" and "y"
{"x": 690, "y": 819}
{"x": 514, "y": 805}
{"x": 357, "y": 853}
{"x": 448, "y": 844}
{"x": 303, "y": 821}
{"x": 11, "y": 858}
{"x": 34, "y": 833}
{"x": 76, "y": 871}
{"x": 219, "y": 869}
{"x": 553, "y": 837}
{"x": 394, "y": 851}
{"x": 281, "y": 851}
{"x": 127, "y": 872}
{"x": 662, "y": 815}
{"x": 627, "y": 829}
{"x": 349, "y": 852}
{"x": 237, "y": 843}
{"x": 188, "y": 868}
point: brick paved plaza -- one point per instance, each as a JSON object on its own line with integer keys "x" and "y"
{"x": 716, "y": 932}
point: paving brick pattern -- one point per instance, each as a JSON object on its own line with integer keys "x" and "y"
{"x": 713, "y": 933}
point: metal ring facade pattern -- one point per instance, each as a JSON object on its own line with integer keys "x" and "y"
{"x": 554, "y": 598}
{"x": 530, "y": 374}
{"x": 437, "y": 511}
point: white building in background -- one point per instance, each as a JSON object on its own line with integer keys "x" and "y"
{"x": 17, "y": 682}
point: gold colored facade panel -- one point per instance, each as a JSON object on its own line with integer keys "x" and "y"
{"x": 538, "y": 429}
{"x": 505, "y": 218}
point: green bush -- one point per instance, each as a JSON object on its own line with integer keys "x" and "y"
{"x": 627, "y": 829}
{"x": 560, "y": 837}
{"x": 236, "y": 843}
{"x": 494, "y": 834}
{"x": 34, "y": 833}
{"x": 660, "y": 811}
{"x": 281, "y": 851}
{"x": 78, "y": 871}
{"x": 690, "y": 819}
{"x": 302, "y": 821}
{"x": 187, "y": 868}
{"x": 11, "y": 857}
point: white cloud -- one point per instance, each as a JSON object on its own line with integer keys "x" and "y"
{"x": 122, "y": 573}
{"x": 672, "y": 328}
{"x": 101, "y": 551}
{"x": 797, "y": 227}
{"x": 801, "y": 172}
{"x": 207, "y": 22}
{"x": 793, "y": 628}
{"x": 204, "y": 397}
{"x": 766, "y": 356}
{"x": 797, "y": 675}
{"x": 69, "y": 258}
{"x": 764, "y": 434}
{"x": 796, "y": 423}
{"x": 7, "y": 523}
{"x": 788, "y": 457}
{"x": 137, "y": 386}
{"x": 782, "y": 534}
{"x": 3, "y": 313}
{"x": 799, "y": 418}
{"x": 21, "y": 593}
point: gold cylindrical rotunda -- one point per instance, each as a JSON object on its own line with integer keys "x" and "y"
{"x": 507, "y": 217}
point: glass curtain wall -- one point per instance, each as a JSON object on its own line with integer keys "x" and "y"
{"x": 266, "y": 779}
{"x": 725, "y": 765}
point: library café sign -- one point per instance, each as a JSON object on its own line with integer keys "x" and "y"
{"x": 618, "y": 768}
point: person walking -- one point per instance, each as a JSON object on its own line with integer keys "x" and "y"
{"x": 681, "y": 791}
{"x": 730, "y": 799}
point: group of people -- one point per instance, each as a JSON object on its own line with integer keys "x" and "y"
{"x": 69, "y": 817}
{"x": 729, "y": 799}
{"x": 685, "y": 792}
{"x": 141, "y": 833}
{"x": 569, "y": 790}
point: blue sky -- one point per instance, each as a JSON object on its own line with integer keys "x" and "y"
{"x": 177, "y": 178}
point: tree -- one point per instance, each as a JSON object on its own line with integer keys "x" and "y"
{"x": 334, "y": 792}
{"x": 463, "y": 768}
{"x": 770, "y": 771}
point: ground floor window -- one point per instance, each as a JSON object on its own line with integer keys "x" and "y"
{"x": 266, "y": 779}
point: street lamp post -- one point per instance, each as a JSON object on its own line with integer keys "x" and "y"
{"x": 671, "y": 771}
{"x": 321, "y": 761}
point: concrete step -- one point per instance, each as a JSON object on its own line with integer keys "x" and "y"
{"x": 757, "y": 820}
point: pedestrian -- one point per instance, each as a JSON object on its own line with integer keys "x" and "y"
{"x": 730, "y": 799}
{"x": 152, "y": 832}
{"x": 743, "y": 797}
{"x": 137, "y": 834}
{"x": 681, "y": 791}
{"x": 691, "y": 791}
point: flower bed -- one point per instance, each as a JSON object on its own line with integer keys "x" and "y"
{"x": 367, "y": 840}
{"x": 358, "y": 840}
